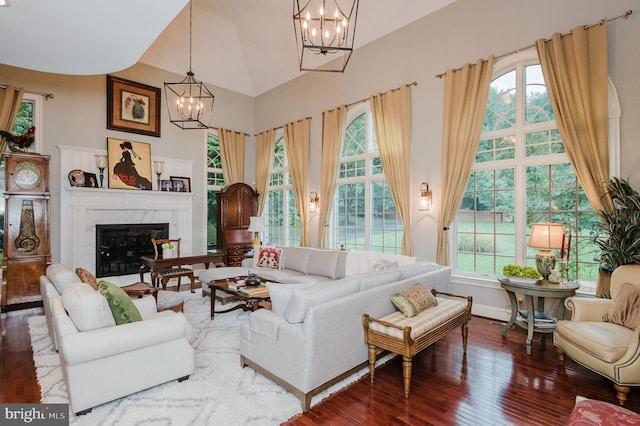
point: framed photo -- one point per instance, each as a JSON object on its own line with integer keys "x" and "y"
{"x": 129, "y": 164}
{"x": 181, "y": 184}
{"x": 133, "y": 107}
{"x": 166, "y": 185}
{"x": 90, "y": 180}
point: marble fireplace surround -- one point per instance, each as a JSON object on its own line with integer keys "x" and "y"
{"x": 81, "y": 209}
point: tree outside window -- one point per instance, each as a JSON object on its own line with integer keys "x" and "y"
{"x": 215, "y": 182}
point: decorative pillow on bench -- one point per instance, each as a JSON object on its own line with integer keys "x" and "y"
{"x": 413, "y": 300}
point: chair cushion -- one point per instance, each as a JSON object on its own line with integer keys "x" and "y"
{"x": 413, "y": 300}
{"x": 175, "y": 272}
{"x": 603, "y": 340}
{"x": 86, "y": 307}
{"x": 122, "y": 308}
{"x": 626, "y": 307}
{"x": 168, "y": 299}
{"x": 87, "y": 278}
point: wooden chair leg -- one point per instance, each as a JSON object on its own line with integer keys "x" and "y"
{"x": 406, "y": 375}
{"x": 621, "y": 393}
{"x": 179, "y": 279}
{"x": 372, "y": 362}
{"x": 193, "y": 283}
{"x": 560, "y": 356}
{"x": 465, "y": 334}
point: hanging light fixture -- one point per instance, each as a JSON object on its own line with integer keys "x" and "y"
{"x": 189, "y": 102}
{"x": 324, "y": 28}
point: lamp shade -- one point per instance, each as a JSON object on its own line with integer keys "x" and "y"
{"x": 256, "y": 224}
{"x": 546, "y": 236}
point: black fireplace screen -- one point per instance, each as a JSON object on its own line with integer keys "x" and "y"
{"x": 119, "y": 247}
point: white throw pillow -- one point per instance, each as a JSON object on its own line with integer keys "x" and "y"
{"x": 305, "y": 298}
{"x": 87, "y": 308}
{"x": 61, "y": 276}
{"x": 280, "y": 295}
{"x": 296, "y": 258}
{"x": 323, "y": 262}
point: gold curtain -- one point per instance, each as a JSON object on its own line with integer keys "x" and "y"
{"x": 10, "y": 100}
{"x": 296, "y": 142}
{"x": 232, "y": 155}
{"x": 465, "y": 99}
{"x": 575, "y": 70}
{"x": 333, "y": 122}
{"x": 392, "y": 123}
{"x": 266, "y": 150}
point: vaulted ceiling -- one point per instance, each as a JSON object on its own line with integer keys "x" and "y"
{"x": 247, "y": 46}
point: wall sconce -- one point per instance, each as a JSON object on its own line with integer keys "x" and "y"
{"x": 314, "y": 201}
{"x": 425, "y": 197}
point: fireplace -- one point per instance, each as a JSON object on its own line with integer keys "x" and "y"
{"x": 119, "y": 246}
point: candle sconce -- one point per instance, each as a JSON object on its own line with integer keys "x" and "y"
{"x": 158, "y": 167}
{"x": 101, "y": 164}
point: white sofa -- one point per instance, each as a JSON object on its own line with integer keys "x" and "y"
{"x": 313, "y": 335}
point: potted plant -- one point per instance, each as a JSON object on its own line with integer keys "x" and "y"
{"x": 618, "y": 234}
{"x": 167, "y": 250}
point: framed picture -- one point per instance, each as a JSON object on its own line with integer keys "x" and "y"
{"x": 90, "y": 180}
{"x": 181, "y": 184}
{"x": 129, "y": 164}
{"x": 166, "y": 185}
{"x": 133, "y": 107}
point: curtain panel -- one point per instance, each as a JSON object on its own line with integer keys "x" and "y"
{"x": 296, "y": 142}
{"x": 465, "y": 100}
{"x": 10, "y": 100}
{"x": 392, "y": 123}
{"x": 333, "y": 123}
{"x": 266, "y": 145}
{"x": 232, "y": 155}
{"x": 576, "y": 73}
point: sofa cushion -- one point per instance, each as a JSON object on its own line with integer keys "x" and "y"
{"x": 413, "y": 300}
{"x": 60, "y": 276}
{"x": 296, "y": 258}
{"x": 307, "y": 297}
{"x": 413, "y": 269}
{"x": 122, "y": 308}
{"x": 377, "y": 278}
{"x": 87, "y": 278}
{"x": 87, "y": 308}
{"x": 342, "y": 264}
{"x": 268, "y": 257}
{"x": 626, "y": 307}
{"x": 383, "y": 264}
{"x": 280, "y": 295}
{"x": 323, "y": 262}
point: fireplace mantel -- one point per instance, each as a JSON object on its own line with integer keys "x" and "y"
{"x": 81, "y": 209}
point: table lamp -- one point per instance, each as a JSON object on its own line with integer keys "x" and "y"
{"x": 546, "y": 236}
{"x": 256, "y": 224}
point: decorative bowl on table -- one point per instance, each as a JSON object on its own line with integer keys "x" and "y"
{"x": 252, "y": 281}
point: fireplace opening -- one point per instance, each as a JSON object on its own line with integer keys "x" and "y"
{"x": 119, "y": 247}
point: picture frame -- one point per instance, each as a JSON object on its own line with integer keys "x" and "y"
{"x": 133, "y": 107}
{"x": 166, "y": 185}
{"x": 129, "y": 164}
{"x": 91, "y": 180}
{"x": 181, "y": 184}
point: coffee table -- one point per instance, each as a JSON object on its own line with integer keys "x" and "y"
{"x": 249, "y": 302}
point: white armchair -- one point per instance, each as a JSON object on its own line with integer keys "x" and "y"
{"x": 102, "y": 361}
{"x": 607, "y": 348}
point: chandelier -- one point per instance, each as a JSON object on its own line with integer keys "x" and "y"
{"x": 324, "y": 28}
{"x": 189, "y": 102}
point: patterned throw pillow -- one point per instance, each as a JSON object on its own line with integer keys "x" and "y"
{"x": 413, "y": 300}
{"x": 87, "y": 278}
{"x": 122, "y": 308}
{"x": 269, "y": 257}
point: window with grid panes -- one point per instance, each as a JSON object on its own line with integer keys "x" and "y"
{"x": 215, "y": 182}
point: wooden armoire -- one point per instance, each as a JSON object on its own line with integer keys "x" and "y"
{"x": 235, "y": 204}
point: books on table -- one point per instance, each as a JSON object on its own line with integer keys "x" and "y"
{"x": 254, "y": 290}
{"x": 540, "y": 319}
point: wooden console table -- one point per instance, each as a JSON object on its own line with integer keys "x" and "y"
{"x": 149, "y": 264}
{"x": 541, "y": 289}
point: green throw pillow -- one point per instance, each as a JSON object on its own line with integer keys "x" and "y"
{"x": 122, "y": 308}
{"x": 413, "y": 300}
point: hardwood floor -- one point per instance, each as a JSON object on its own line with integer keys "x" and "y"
{"x": 496, "y": 384}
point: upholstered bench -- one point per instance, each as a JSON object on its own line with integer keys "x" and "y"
{"x": 407, "y": 336}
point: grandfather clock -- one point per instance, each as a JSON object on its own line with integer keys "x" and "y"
{"x": 26, "y": 247}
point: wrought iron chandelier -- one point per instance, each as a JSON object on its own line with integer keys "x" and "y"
{"x": 189, "y": 102}
{"x": 323, "y": 30}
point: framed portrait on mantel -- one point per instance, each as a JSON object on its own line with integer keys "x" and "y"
{"x": 129, "y": 164}
{"x": 133, "y": 107}
{"x": 181, "y": 184}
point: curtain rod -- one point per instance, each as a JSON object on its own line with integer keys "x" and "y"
{"x": 280, "y": 127}
{"x": 46, "y": 95}
{"x": 515, "y": 52}
{"x": 234, "y": 131}
{"x": 415, "y": 83}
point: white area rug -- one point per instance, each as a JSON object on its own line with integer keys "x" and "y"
{"x": 219, "y": 392}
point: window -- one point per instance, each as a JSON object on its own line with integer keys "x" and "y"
{"x": 215, "y": 182}
{"x": 364, "y": 214}
{"x": 521, "y": 176}
{"x": 282, "y": 220}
